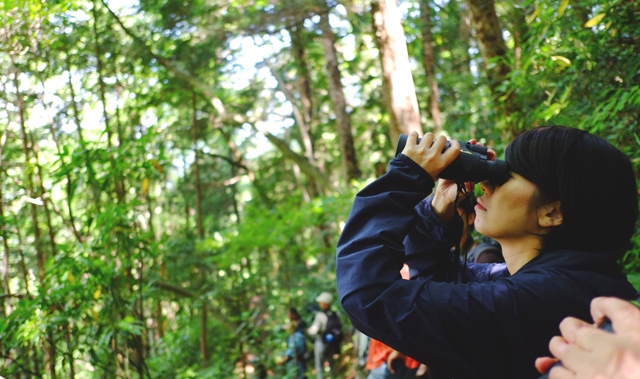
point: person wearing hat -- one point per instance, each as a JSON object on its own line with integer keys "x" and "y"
{"x": 320, "y": 349}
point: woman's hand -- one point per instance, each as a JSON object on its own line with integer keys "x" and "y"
{"x": 428, "y": 153}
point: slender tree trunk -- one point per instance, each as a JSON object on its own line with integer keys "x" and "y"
{"x": 45, "y": 203}
{"x": 159, "y": 319}
{"x": 119, "y": 182}
{"x": 51, "y": 345}
{"x": 100, "y": 70}
{"x": 303, "y": 126}
{"x": 200, "y": 227}
{"x": 70, "y": 350}
{"x": 23, "y": 264}
{"x": 429, "y": 62}
{"x": 336, "y": 91}
{"x": 303, "y": 80}
{"x": 399, "y": 93}
{"x": 71, "y": 221}
{"x": 29, "y": 177}
{"x": 95, "y": 188}
{"x": 50, "y": 356}
{"x": 302, "y": 72}
{"x": 519, "y": 30}
{"x": 6, "y": 305}
{"x": 196, "y": 166}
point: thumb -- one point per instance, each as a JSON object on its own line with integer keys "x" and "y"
{"x": 543, "y": 364}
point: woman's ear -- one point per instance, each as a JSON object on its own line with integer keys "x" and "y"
{"x": 550, "y": 215}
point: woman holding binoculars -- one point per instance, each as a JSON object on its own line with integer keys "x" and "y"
{"x": 562, "y": 215}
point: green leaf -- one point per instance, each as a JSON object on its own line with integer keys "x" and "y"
{"x": 533, "y": 16}
{"x": 594, "y": 20}
{"x": 562, "y": 7}
{"x": 561, "y": 61}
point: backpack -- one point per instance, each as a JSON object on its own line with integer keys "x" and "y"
{"x": 332, "y": 335}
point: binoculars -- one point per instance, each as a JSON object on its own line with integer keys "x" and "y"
{"x": 472, "y": 165}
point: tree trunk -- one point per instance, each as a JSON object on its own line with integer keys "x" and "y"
{"x": 464, "y": 28}
{"x": 29, "y": 177}
{"x": 196, "y": 166}
{"x": 43, "y": 197}
{"x": 336, "y": 91}
{"x": 6, "y": 304}
{"x": 399, "y": 94}
{"x": 494, "y": 54}
{"x": 95, "y": 188}
{"x": 490, "y": 42}
{"x": 50, "y": 355}
{"x": 23, "y": 264}
{"x": 519, "y": 30}
{"x": 429, "y": 62}
{"x": 119, "y": 182}
{"x": 302, "y": 72}
{"x": 198, "y": 184}
{"x": 303, "y": 81}
{"x": 301, "y": 120}
{"x": 70, "y": 350}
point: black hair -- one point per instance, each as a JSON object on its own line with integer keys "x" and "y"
{"x": 593, "y": 180}
{"x": 467, "y": 204}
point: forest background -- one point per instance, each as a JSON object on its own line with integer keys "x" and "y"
{"x": 175, "y": 173}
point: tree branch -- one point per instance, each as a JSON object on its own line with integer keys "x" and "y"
{"x": 188, "y": 78}
{"x": 189, "y": 294}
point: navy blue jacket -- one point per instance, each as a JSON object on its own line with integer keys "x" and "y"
{"x": 479, "y": 322}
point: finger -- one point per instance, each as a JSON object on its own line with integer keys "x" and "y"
{"x": 574, "y": 357}
{"x": 390, "y": 367}
{"x": 591, "y": 338}
{"x": 623, "y": 314}
{"x": 557, "y": 346}
{"x": 413, "y": 138}
{"x": 491, "y": 154}
{"x": 561, "y": 372}
{"x": 569, "y": 327}
{"x": 412, "y": 141}
{"x": 427, "y": 139}
{"x": 543, "y": 364}
{"x": 469, "y": 186}
{"x": 439, "y": 142}
{"x": 452, "y": 152}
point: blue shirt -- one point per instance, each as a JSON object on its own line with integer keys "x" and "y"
{"x": 464, "y": 323}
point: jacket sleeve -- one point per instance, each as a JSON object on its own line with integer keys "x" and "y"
{"x": 428, "y": 246}
{"x": 319, "y": 322}
{"x": 381, "y": 217}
